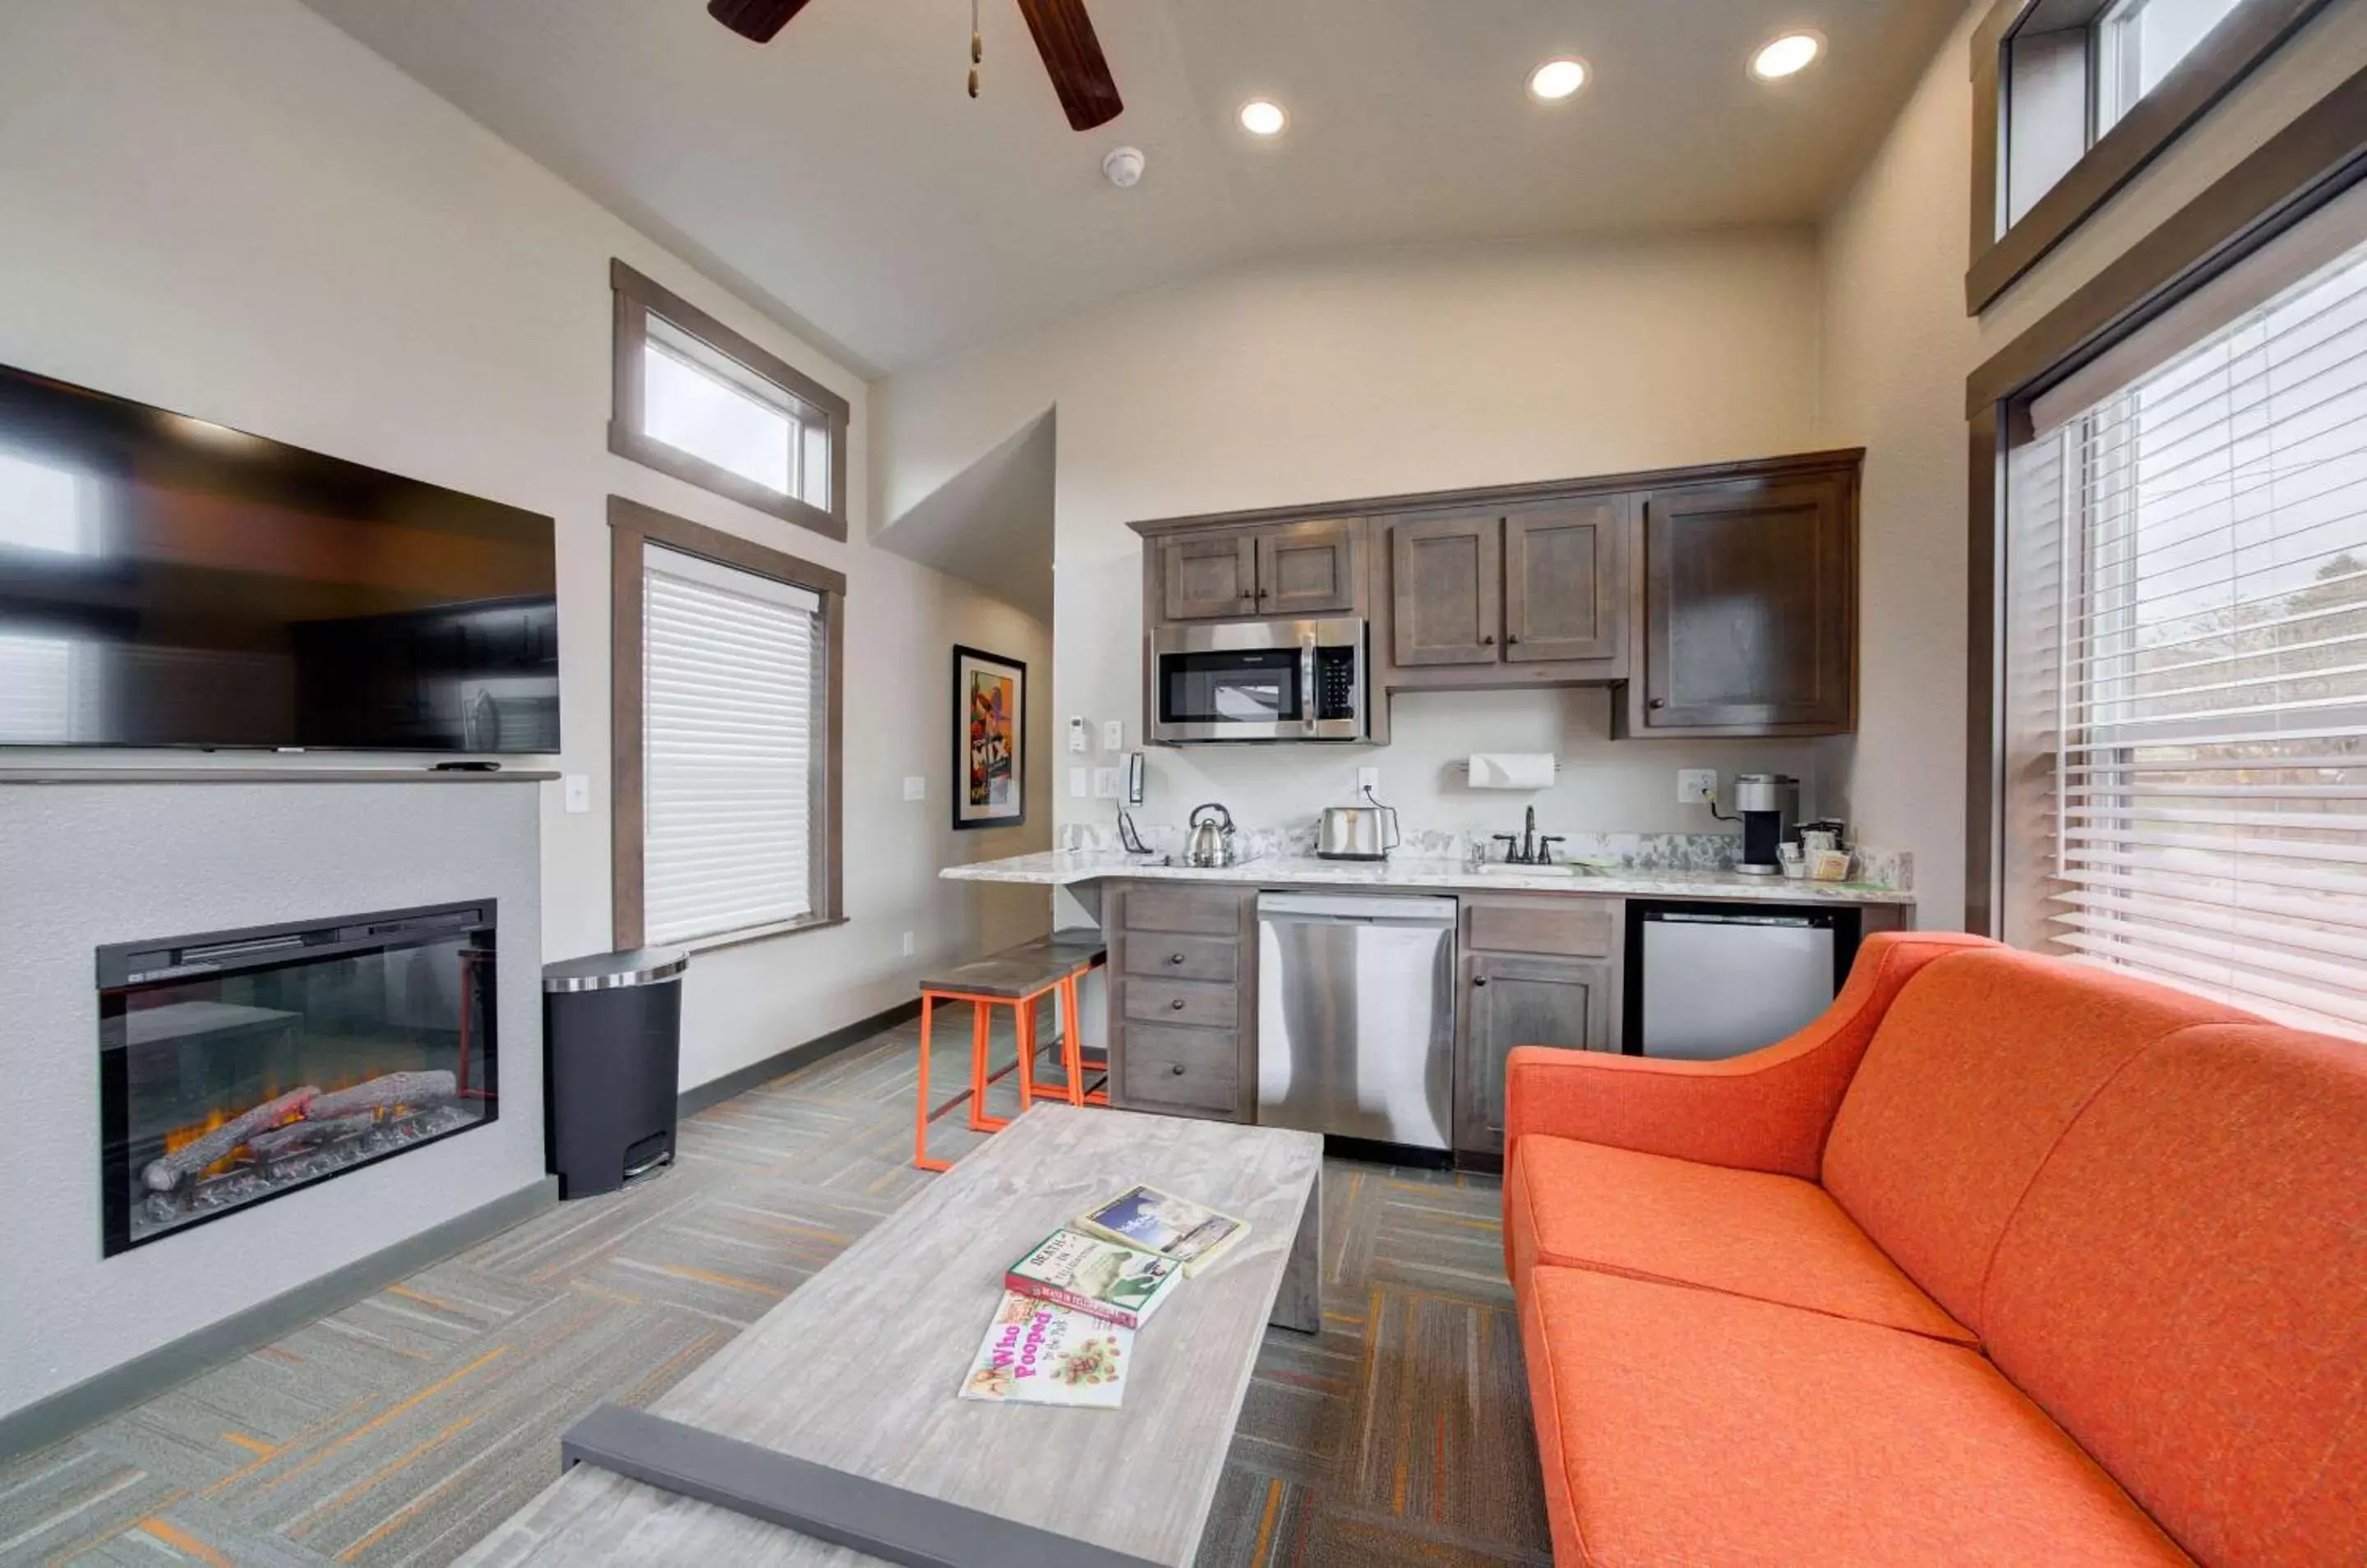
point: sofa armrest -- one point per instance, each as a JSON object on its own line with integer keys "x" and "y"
{"x": 1767, "y": 1111}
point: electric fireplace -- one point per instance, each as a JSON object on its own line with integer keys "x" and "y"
{"x": 237, "y": 1066}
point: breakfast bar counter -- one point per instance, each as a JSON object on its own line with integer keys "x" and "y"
{"x": 1060, "y": 868}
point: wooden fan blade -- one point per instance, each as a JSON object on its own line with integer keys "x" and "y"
{"x": 756, "y": 21}
{"x": 1064, "y": 36}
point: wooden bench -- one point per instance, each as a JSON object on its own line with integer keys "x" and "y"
{"x": 1017, "y": 977}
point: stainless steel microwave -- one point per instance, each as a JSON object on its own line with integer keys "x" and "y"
{"x": 1259, "y": 681}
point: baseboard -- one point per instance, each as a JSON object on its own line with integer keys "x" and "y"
{"x": 715, "y": 1091}
{"x": 61, "y": 1415}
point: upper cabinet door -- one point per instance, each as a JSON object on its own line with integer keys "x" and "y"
{"x": 1210, "y": 576}
{"x": 1446, "y": 584}
{"x": 1565, "y": 589}
{"x": 1750, "y": 608}
{"x": 1307, "y": 569}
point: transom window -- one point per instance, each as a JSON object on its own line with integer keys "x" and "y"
{"x": 705, "y": 404}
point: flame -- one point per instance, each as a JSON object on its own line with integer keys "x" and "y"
{"x": 183, "y": 1136}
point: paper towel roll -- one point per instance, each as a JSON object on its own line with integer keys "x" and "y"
{"x": 1511, "y": 769}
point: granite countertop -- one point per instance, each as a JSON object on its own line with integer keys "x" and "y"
{"x": 1059, "y": 868}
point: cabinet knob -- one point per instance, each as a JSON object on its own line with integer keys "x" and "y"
{"x": 1658, "y": 702}
{"x": 1262, "y": 593}
{"x": 1177, "y": 1069}
{"x": 1511, "y": 637}
{"x": 1175, "y": 1006}
{"x": 1174, "y": 958}
{"x": 1478, "y": 979}
{"x": 1486, "y": 639}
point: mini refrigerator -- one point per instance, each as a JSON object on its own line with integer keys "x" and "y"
{"x": 1706, "y": 981}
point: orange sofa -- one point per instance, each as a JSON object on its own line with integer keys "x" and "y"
{"x": 2004, "y": 1261}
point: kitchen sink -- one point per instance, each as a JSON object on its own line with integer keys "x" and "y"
{"x": 1557, "y": 868}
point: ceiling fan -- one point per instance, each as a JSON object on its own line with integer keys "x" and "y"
{"x": 1064, "y": 36}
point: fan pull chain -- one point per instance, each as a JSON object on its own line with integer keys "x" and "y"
{"x": 977, "y": 49}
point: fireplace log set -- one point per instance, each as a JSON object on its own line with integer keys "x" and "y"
{"x": 298, "y": 1118}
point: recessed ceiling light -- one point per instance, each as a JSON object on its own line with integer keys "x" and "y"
{"x": 1787, "y": 56}
{"x": 1262, "y": 116}
{"x": 1556, "y": 79}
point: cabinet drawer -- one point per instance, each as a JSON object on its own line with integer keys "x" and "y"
{"x": 1199, "y": 1005}
{"x": 1182, "y": 957}
{"x": 1196, "y": 1070}
{"x": 1571, "y": 928}
{"x": 1209, "y": 911}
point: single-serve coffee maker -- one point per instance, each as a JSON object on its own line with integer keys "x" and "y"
{"x": 1768, "y": 807}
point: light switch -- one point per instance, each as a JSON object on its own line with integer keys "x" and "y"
{"x": 579, "y": 792}
{"x": 1113, "y": 735}
{"x": 1105, "y": 785}
{"x": 1079, "y": 789}
{"x": 915, "y": 787}
{"x": 1080, "y": 738}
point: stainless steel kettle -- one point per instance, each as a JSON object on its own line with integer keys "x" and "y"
{"x": 1211, "y": 842}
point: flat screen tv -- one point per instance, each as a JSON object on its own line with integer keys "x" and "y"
{"x": 165, "y": 581}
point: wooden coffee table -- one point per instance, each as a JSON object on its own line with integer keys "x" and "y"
{"x": 857, "y": 1368}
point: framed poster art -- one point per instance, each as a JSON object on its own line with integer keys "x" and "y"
{"x": 989, "y": 739}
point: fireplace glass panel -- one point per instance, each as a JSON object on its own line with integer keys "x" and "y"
{"x": 240, "y": 1065}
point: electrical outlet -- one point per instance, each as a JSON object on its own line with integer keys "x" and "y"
{"x": 908, "y": 944}
{"x": 1368, "y": 782}
{"x": 1079, "y": 736}
{"x": 1113, "y": 735}
{"x": 1695, "y": 785}
{"x": 1105, "y": 783}
{"x": 579, "y": 792}
{"x": 1078, "y": 788}
{"x": 915, "y": 787}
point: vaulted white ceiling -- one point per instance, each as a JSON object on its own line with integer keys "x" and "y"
{"x": 842, "y": 174}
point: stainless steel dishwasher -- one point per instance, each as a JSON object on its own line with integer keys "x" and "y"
{"x": 1357, "y": 1016}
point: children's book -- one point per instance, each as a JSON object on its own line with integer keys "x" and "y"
{"x": 1107, "y": 1279}
{"x": 1039, "y": 1352}
{"x": 1190, "y": 1234}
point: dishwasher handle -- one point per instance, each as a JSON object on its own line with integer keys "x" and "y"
{"x": 1357, "y": 909}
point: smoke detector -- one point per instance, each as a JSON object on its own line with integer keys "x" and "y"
{"x": 1124, "y": 166}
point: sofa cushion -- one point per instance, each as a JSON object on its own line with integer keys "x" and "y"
{"x": 2185, "y": 1291}
{"x": 1773, "y": 1237}
{"x": 1978, "y": 1067}
{"x": 1688, "y": 1427}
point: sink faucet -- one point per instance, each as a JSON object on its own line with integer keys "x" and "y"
{"x": 1528, "y": 847}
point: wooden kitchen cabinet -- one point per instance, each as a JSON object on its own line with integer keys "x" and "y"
{"x": 1309, "y": 570}
{"x": 1183, "y": 998}
{"x": 1299, "y": 569}
{"x": 1565, "y": 586}
{"x": 1446, "y": 576}
{"x": 1521, "y": 1000}
{"x": 1749, "y": 610}
{"x": 1539, "y": 969}
{"x": 1207, "y": 578}
{"x": 1716, "y": 601}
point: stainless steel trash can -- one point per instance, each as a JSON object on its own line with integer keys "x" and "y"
{"x": 612, "y": 1062}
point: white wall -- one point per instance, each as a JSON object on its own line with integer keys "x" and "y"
{"x": 1402, "y": 371}
{"x": 1896, "y": 347}
{"x": 236, "y": 211}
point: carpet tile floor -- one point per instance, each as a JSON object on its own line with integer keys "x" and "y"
{"x": 399, "y": 1430}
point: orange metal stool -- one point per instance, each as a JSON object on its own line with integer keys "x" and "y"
{"x": 1018, "y": 978}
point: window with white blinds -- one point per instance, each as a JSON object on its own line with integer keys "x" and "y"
{"x": 730, "y": 669}
{"x": 2187, "y": 661}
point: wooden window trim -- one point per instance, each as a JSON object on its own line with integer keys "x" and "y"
{"x": 2231, "y": 51}
{"x": 2318, "y": 157}
{"x": 637, "y": 299}
{"x": 631, "y": 526}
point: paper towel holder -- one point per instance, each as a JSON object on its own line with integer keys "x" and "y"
{"x": 1464, "y": 767}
